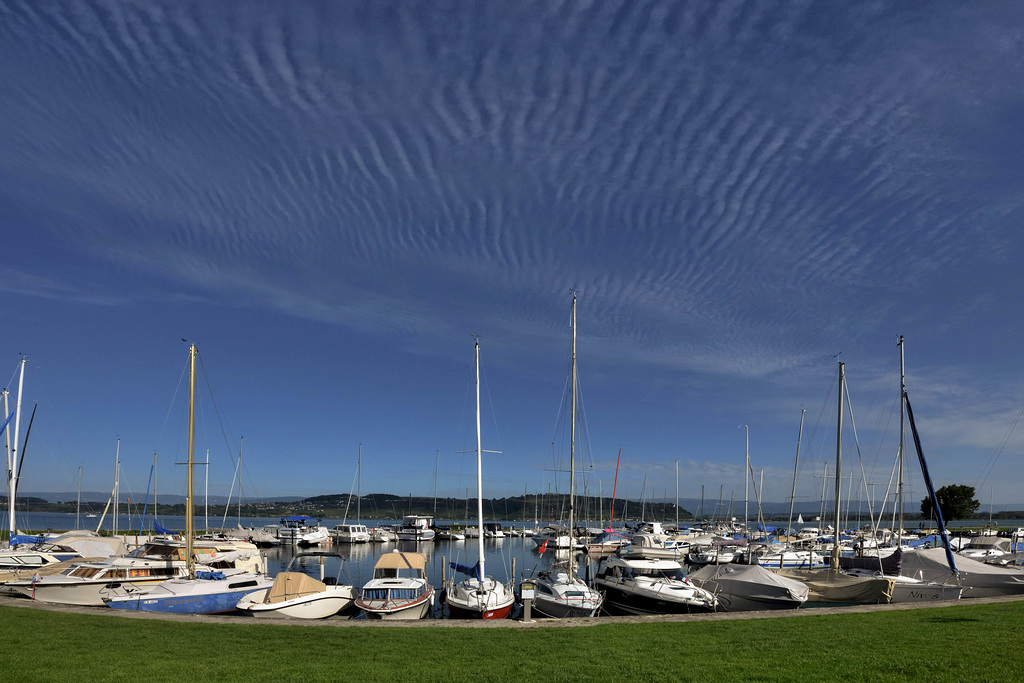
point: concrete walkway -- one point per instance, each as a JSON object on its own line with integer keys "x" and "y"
{"x": 25, "y": 603}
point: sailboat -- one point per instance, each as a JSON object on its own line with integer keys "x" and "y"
{"x": 479, "y": 596}
{"x": 913, "y": 583}
{"x": 204, "y": 592}
{"x": 559, "y": 592}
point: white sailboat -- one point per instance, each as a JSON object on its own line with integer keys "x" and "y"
{"x": 559, "y": 592}
{"x": 479, "y": 596}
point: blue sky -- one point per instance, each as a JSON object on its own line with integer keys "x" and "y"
{"x": 330, "y": 198}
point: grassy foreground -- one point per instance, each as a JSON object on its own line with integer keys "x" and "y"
{"x": 961, "y": 643}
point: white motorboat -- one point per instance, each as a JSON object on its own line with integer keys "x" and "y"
{"x": 560, "y": 593}
{"x": 303, "y": 530}
{"x": 416, "y": 528}
{"x": 300, "y": 596}
{"x": 650, "y": 586}
{"x": 350, "y": 533}
{"x": 398, "y": 589}
{"x": 86, "y": 583}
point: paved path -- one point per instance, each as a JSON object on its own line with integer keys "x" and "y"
{"x": 8, "y": 601}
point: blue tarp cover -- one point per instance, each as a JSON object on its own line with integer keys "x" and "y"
{"x": 212, "y": 576}
{"x": 160, "y": 530}
{"x": 469, "y": 571}
{"x": 19, "y": 539}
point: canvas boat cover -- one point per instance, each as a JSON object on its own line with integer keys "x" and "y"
{"x": 291, "y": 585}
{"x": 749, "y": 580}
{"x": 397, "y": 560}
{"x": 833, "y": 587}
{"x": 91, "y": 544}
{"x": 889, "y": 564}
{"x": 980, "y": 580}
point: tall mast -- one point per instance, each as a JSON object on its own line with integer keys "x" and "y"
{"x": 572, "y": 445}
{"x": 834, "y": 558}
{"x": 746, "y": 481}
{"x": 117, "y": 482}
{"x": 12, "y": 452}
{"x": 903, "y": 436}
{"x": 677, "y": 495}
{"x": 796, "y": 467}
{"x": 78, "y": 508}
{"x": 359, "y": 483}
{"x": 189, "y": 510}
{"x": 479, "y": 471}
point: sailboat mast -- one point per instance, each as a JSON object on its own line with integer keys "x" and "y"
{"x": 359, "y": 483}
{"x": 903, "y": 437}
{"x": 572, "y": 445}
{"x": 746, "y": 482}
{"x": 796, "y": 467}
{"x": 615, "y": 486}
{"x": 479, "y": 470}
{"x": 834, "y": 557}
{"x": 189, "y": 509}
{"x": 12, "y": 452}
{"x": 78, "y": 508}
{"x": 117, "y": 482}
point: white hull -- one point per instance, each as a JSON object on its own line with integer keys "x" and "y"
{"x": 319, "y": 606}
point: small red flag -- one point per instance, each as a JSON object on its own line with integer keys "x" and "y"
{"x": 544, "y": 546}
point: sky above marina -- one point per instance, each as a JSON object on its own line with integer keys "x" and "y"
{"x": 330, "y": 198}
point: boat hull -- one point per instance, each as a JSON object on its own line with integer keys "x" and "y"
{"x": 462, "y": 612}
{"x": 466, "y": 600}
{"x": 620, "y": 602}
{"x": 77, "y": 593}
{"x": 188, "y": 597}
{"x": 319, "y": 606}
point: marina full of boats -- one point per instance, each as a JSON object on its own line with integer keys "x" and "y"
{"x": 650, "y": 573}
{"x": 299, "y": 568}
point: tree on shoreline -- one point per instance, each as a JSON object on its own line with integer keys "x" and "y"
{"x": 956, "y": 501}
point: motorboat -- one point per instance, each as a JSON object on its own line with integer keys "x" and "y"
{"x": 493, "y": 530}
{"x": 299, "y": 595}
{"x": 87, "y": 582}
{"x": 560, "y": 593}
{"x": 636, "y": 585}
{"x": 27, "y": 552}
{"x": 555, "y": 536}
{"x": 416, "y": 528}
{"x": 398, "y": 589}
{"x": 350, "y": 533}
{"x": 605, "y": 543}
{"x": 383, "y": 534}
{"x": 302, "y": 530}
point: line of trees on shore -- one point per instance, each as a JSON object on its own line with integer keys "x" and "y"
{"x": 529, "y": 507}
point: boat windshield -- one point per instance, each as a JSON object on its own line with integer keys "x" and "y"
{"x": 390, "y": 593}
{"x": 161, "y": 550}
{"x": 673, "y": 574}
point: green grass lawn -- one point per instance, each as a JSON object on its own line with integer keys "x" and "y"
{"x": 961, "y": 643}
